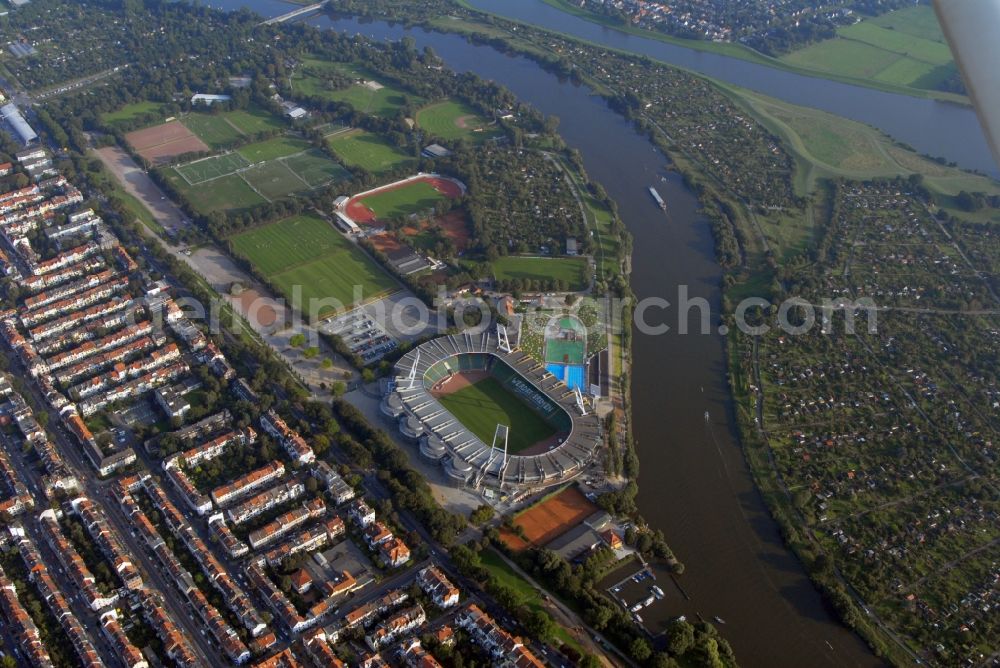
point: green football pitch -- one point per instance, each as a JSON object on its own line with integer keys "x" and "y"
{"x": 483, "y": 405}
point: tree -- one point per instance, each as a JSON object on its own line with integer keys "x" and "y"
{"x": 680, "y": 637}
{"x": 481, "y": 515}
{"x": 540, "y": 625}
{"x": 640, "y": 649}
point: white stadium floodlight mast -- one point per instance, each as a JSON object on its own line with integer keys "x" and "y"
{"x": 412, "y": 377}
{"x": 579, "y": 400}
{"x": 504, "y": 342}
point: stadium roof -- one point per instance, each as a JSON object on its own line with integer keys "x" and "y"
{"x": 468, "y": 453}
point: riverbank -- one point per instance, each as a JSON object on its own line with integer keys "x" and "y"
{"x": 750, "y": 55}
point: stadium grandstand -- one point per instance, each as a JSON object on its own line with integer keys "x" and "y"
{"x": 469, "y": 460}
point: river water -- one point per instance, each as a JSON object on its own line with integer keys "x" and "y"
{"x": 694, "y": 484}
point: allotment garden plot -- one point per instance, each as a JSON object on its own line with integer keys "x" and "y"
{"x": 304, "y": 255}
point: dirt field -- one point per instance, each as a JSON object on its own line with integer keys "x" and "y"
{"x": 456, "y": 228}
{"x": 546, "y": 521}
{"x": 138, "y": 184}
{"x": 385, "y": 243}
{"x": 160, "y": 143}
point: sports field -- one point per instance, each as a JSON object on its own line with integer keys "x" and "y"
{"x": 164, "y": 142}
{"x": 211, "y": 168}
{"x": 212, "y": 129}
{"x": 364, "y": 93}
{"x": 565, "y": 341}
{"x": 572, "y": 270}
{"x": 270, "y": 149}
{"x": 403, "y": 198}
{"x": 452, "y": 119}
{"x": 369, "y": 151}
{"x": 550, "y": 518}
{"x": 486, "y": 403}
{"x": 904, "y": 47}
{"x": 306, "y": 251}
{"x": 225, "y": 193}
{"x": 235, "y": 180}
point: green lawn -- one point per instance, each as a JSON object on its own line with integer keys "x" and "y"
{"x": 506, "y": 576}
{"x": 213, "y": 129}
{"x": 414, "y": 197}
{"x": 573, "y": 270}
{"x": 306, "y": 251}
{"x": 368, "y": 151}
{"x": 130, "y": 111}
{"x": 484, "y": 405}
{"x": 452, "y": 119}
{"x": 270, "y": 149}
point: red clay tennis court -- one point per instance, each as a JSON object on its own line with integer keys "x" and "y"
{"x": 549, "y": 519}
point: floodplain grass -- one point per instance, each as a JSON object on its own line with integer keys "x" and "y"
{"x": 483, "y": 405}
{"x": 825, "y": 146}
{"x": 206, "y": 169}
{"x": 306, "y": 251}
{"x": 452, "y": 119}
{"x": 573, "y": 270}
{"x": 416, "y": 197}
{"x": 902, "y": 48}
{"x": 270, "y": 149}
{"x": 212, "y": 129}
{"x": 367, "y": 150}
{"x": 130, "y": 111}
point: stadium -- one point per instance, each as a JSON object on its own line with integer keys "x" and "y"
{"x": 491, "y": 416}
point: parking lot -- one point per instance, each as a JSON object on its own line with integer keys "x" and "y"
{"x": 362, "y": 334}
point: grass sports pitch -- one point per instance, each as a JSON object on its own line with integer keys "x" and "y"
{"x": 483, "y": 405}
{"x": 454, "y": 120}
{"x": 211, "y": 168}
{"x": 306, "y": 251}
{"x": 369, "y": 151}
{"x": 414, "y": 197}
{"x": 572, "y": 270}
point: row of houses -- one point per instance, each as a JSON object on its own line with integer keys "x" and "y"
{"x": 38, "y": 574}
{"x": 17, "y": 498}
{"x": 22, "y": 628}
{"x": 506, "y": 650}
{"x": 233, "y": 595}
{"x": 224, "y": 634}
{"x": 293, "y": 443}
{"x": 286, "y": 522}
{"x": 73, "y": 564}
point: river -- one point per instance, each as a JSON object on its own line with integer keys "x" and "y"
{"x": 694, "y": 484}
